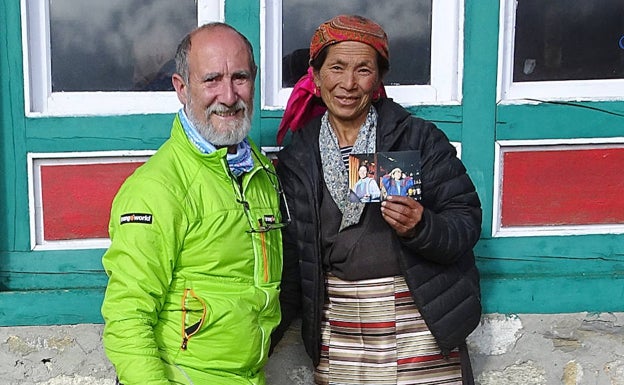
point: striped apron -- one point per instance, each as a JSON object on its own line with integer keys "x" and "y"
{"x": 372, "y": 333}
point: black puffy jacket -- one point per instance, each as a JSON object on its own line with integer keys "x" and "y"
{"x": 438, "y": 263}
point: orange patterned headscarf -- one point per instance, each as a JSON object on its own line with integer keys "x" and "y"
{"x": 303, "y": 105}
{"x": 349, "y": 28}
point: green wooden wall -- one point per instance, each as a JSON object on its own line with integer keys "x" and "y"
{"x": 549, "y": 274}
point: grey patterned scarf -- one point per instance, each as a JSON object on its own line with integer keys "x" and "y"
{"x": 335, "y": 172}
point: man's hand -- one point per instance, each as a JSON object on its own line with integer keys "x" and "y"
{"x": 402, "y": 214}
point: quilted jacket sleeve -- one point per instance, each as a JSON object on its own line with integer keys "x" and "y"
{"x": 290, "y": 294}
{"x": 440, "y": 266}
{"x": 451, "y": 223}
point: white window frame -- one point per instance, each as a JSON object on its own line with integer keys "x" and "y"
{"x": 41, "y": 101}
{"x": 38, "y": 160}
{"x": 523, "y": 92}
{"x": 446, "y": 58}
{"x": 504, "y": 146}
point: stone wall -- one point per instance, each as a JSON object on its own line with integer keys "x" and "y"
{"x": 567, "y": 349}
{"x": 527, "y": 349}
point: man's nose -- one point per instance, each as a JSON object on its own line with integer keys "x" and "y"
{"x": 228, "y": 95}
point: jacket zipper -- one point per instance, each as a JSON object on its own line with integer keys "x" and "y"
{"x": 188, "y": 332}
{"x": 241, "y": 197}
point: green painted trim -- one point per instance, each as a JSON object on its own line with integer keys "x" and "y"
{"x": 534, "y": 295}
{"x": 244, "y": 16}
{"x": 271, "y": 114}
{"x": 98, "y": 133}
{"x": 269, "y": 130}
{"x": 560, "y": 120}
{"x": 595, "y": 247}
{"x": 479, "y": 99}
{"x": 551, "y": 295}
{"x": 46, "y": 270}
{"x": 552, "y": 274}
{"x": 7, "y": 156}
{"x": 53, "y": 307}
{"x": 13, "y": 187}
{"x": 438, "y": 113}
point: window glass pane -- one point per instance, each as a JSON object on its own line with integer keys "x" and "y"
{"x": 407, "y": 23}
{"x": 569, "y": 40}
{"x": 116, "y": 45}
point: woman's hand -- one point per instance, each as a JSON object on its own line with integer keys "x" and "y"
{"x": 402, "y": 214}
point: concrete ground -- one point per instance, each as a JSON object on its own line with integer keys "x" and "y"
{"x": 526, "y": 349}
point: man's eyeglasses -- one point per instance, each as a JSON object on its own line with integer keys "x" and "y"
{"x": 268, "y": 222}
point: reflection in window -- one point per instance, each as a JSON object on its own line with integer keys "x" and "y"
{"x": 407, "y": 23}
{"x": 120, "y": 45}
{"x": 569, "y": 40}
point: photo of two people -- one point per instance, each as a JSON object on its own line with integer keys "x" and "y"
{"x": 372, "y": 177}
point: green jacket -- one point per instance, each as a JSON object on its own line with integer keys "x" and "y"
{"x": 182, "y": 257}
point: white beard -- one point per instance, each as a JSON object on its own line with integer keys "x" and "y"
{"x": 233, "y": 133}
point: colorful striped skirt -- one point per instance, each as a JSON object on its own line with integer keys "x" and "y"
{"x": 372, "y": 333}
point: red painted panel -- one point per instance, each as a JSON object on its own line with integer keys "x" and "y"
{"x": 567, "y": 187}
{"x": 77, "y": 198}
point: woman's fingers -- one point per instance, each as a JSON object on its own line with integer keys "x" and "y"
{"x": 401, "y": 213}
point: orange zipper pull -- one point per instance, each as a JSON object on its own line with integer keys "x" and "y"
{"x": 184, "y": 343}
{"x": 265, "y": 259}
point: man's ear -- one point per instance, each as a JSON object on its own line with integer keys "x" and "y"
{"x": 180, "y": 87}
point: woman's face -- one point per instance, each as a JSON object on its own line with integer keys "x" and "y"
{"x": 362, "y": 172}
{"x": 347, "y": 80}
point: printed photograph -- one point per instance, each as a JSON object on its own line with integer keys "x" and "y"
{"x": 362, "y": 184}
{"x": 398, "y": 173}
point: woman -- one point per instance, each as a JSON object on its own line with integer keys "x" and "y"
{"x": 365, "y": 189}
{"x": 387, "y": 291}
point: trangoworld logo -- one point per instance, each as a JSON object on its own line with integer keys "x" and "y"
{"x": 136, "y": 218}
